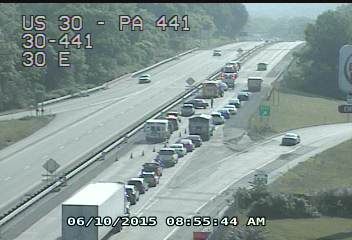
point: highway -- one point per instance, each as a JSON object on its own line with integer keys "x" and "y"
{"x": 204, "y": 175}
{"x": 185, "y": 189}
{"x": 83, "y": 123}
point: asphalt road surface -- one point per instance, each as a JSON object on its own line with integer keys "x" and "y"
{"x": 202, "y": 176}
{"x": 83, "y": 123}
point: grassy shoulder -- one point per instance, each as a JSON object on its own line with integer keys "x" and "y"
{"x": 12, "y": 131}
{"x": 294, "y": 110}
{"x": 329, "y": 169}
{"x": 324, "y": 228}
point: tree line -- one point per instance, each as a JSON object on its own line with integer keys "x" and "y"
{"x": 114, "y": 52}
{"x": 316, "y": 67}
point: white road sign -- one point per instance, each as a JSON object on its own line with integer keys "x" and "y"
{"x": 345, "y": 69}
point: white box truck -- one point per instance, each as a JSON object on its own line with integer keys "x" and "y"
{"x": 102, "y": 199}
{"x": 254, "y": 84}
{"x": 157, "y": 130}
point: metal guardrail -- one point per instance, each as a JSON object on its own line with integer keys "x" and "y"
{"x": 105, "y": 85}
{"x": 87, "y": 159}
{"x": 162, "y": 62}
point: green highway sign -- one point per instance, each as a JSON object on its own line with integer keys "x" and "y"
{"x": 264, "y": 110}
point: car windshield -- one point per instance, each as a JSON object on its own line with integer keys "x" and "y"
{"x": 292, "y": 135}
{"x": 149, "y": 168}
{"x": 228, "y": 70}
{"x": 176, "y": 146}
{"x": 166, "y": 152}
{"x": 147, "y": 175}
{"x": 133, "y": 182}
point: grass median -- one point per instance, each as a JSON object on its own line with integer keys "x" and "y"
{"x": 12, "y": 131}
{"x": 327, "y": 170}
{"x": 290, "y": 110}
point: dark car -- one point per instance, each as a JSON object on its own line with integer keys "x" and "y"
{"x": 139, "y": 183}
{"x": 153, "y": 167}
{"x": 198, "y": 103}
{"x": 225, "y": 113}
{"x": 187, "y": 110}
{"x": 196, "y": 140}
{"x": 132, "y": 194}
{"x": 217, "y": 52}
{"x": 243, "y": 96}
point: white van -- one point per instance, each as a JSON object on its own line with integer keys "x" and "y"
{"x": 156, "y": 130}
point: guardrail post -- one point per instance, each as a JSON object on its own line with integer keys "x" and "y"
{"x": 131, "y": 156}
{"x": 154, "y": 148}
{"x": 63, "y": 181}
{"x": 142, "y": 153}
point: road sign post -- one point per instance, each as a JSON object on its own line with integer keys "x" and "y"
{"x": 50, "y": 166}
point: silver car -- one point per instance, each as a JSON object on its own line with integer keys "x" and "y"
{"x": 232, "y": 109}
{"x": 145, "y": 78}
{"x": 180, "y": 150}
{"x": 290, "y": 139}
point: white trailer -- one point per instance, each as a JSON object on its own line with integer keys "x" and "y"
{"x": 211, "y": 89}
{"x": 156, "y": 130}
{"x": 97, "y": 200}
{"x": 254, "y": 84}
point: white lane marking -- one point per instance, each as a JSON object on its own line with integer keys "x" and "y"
{"x": 90, "y": 131}
{"x": 45, "y": 157}
{"x": 147, "y": 207}
{"x": 26, "y": 167}
{"x": 77, "y": 138}
{"x": 151, "y": 204}
{"x": 176, "y": 228}
{"x": 170, "y": 233}
{"x": 62, "y": 147}
{"x": 161, "y": 188}
{"x": 198, "y": 209}
{"x": 248, "y": 173}
{"x": 237, "y": 179}
{"x": 8, "y": 178}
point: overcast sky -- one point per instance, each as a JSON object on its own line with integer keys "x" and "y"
{"x": 311, "y": 10}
